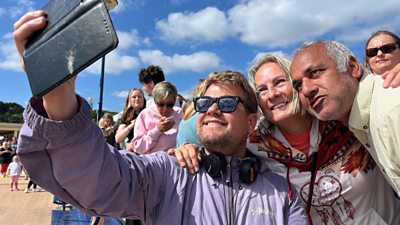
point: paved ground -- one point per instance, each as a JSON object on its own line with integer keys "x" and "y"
{"x": 20, "y": 208}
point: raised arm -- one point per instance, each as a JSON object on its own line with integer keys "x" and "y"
{"x": 60, "y": 103}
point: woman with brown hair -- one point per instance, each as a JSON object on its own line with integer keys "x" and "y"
{"x": 134, "y": 104}
{"x": 382, "y": 52}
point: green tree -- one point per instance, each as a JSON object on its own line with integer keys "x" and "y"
{"x": 11, "y": 112}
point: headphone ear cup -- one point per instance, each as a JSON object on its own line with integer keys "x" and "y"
{"x": 215, "y": 164}
{"x": 248, "y": 170}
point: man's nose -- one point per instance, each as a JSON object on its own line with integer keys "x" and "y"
{"x": 213, "y": 109}
{"x": 307, "y": 87}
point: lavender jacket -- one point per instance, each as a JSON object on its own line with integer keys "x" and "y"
{"x": 71, "y": 160}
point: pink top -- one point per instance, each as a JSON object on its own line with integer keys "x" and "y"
{"x": 148, "y": 138}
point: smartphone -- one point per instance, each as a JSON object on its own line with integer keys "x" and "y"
{"x": 78, "y": 33}
{"x": 170, "y": 118}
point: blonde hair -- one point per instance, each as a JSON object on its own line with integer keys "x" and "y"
{"x": 284, "y": 64}
{"x": 164, "y": 90}
{"x": 101, "y": 123}
{"x": 188, "y": 110}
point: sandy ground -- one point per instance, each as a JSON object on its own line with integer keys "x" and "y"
{"x": 20, "y": 208}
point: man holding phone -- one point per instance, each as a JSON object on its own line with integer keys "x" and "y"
{"x": 153, "y": 187}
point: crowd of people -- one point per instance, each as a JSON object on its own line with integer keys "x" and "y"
{"x": 313, "y": 140}
{"x": 11, "y": 166}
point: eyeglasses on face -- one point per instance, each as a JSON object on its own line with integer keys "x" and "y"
{"x": 387, "y": 48}
{"x": 226, "y": 104}
{"x": 162, "y": 105}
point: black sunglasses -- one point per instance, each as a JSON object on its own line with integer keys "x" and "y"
{"x": 387, "y": 48}
{"x": 161, "y": 105}
{"x": 226, "y": 104}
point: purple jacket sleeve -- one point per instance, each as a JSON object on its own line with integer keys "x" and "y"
{"x": 72, "y": 160}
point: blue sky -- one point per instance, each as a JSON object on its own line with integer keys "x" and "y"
{"x": 190, "y": 38}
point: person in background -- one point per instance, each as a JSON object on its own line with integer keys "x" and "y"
{"x": 134, "y": 104}
{"x": 14, "y": 170}
{"x": 187, "y": 127}
{"x": 182, "y": 100}
{"x": 333, "y": 85}
{"x": 149, "y": 77}
{"x": 156, "y": 126}
{"x": 106, "y": 124}
{"x": 382, "y": 52}
{"x": 13, "y": 145}
{"x": 5, "y": 157}
{"x": 30, "y": 183}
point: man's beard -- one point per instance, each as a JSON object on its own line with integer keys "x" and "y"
{"x": 214, "y": 143}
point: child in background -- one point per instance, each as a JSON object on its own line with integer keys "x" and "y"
{"x": 14, "y": 170}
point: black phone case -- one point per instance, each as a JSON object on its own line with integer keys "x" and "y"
{"x": 78, "y": 33}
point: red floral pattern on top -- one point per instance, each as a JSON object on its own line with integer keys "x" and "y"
{"x": 338, "y": 149}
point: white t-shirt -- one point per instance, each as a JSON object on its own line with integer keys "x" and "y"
{"x": 15, "y": 168}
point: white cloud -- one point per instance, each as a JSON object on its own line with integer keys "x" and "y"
{"x": 197, "y": 62}
{"x": 188, "y": 93}
{"x": 9, "y": 58}
{"x": 207, "y": 25}
{"x": 147, "y": 41}
{"x": 20, "y": 7}
{"x": 279, "y": 23}
{"x": 128, "y": 39}
{"x": 124, "y": 5}
{"x": 131, "y": 38}
{"x": 116, "y": 63}
{"x": 120, "y": 94}
{"x": 259, "y": 54}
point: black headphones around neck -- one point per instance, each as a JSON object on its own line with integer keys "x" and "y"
{"x": 215, "y": 164}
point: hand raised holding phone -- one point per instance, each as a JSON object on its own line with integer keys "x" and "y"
{"x": 77, "y": 33}
{"x": 165, "y": 123}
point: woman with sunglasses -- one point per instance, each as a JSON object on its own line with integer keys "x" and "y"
{"x": 382, "y": 52}
{"x": 157, "y": 126}
{"x": 334, "y": 174}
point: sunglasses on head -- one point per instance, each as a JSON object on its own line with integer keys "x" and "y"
{"x": 169, "y": 105}
{"x": 387, "y": 48}
{"x": 226, "y": 104}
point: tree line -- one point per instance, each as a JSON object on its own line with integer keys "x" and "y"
{"x": 11, "y": 112}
